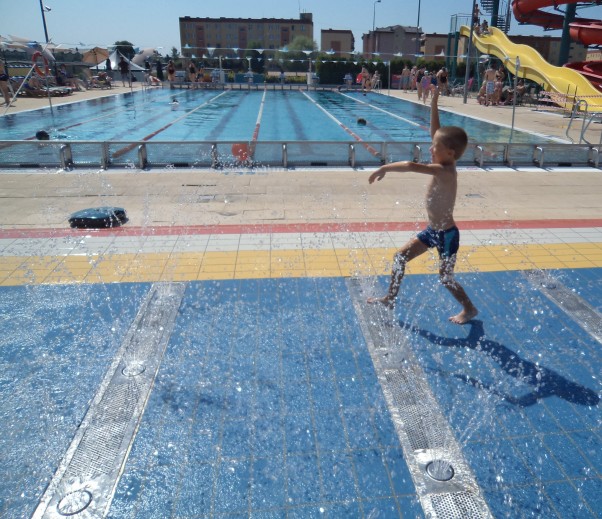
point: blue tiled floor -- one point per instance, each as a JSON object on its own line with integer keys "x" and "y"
{"x": 267, "y": 412}
{"x": 267, "y": 404}
{"x": 531, "y": 376}
{"x": 57, "y": 343}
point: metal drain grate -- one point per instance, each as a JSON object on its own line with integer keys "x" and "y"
{"x": 89, "y": 472}
{"x": 424, "y": 433}
{"x": 458, "y": 505}
{"x": 572, "y": 304}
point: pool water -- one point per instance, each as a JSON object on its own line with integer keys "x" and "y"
{"x": 210, "y": 115}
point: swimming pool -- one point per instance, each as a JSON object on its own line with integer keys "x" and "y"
{"x": 210, "y": 115}
{"x": 221, "y": 128}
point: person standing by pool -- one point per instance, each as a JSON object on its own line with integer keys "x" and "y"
{"x": 366, "y": 80}
{"x": 171, "y": 71}
{"x": 449, "y": 143}
{"x": 192, "y": 72}
{"x": 442, "y": 81}
{"x": 489, "y": 84}
{"x": 124, "y": 69}
{"x": 4, "y": 84}
{"x": 405, "y": 78}
{"x": 425, "y": 84}
{"x": 419, "y": 75}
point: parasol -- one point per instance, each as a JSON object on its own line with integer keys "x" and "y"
{"x": 30, "y": 47}
{"x": 95, "y": 55}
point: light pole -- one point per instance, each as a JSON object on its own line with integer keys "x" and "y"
{"x": 373, "y": 14}
{"x": 468, "y": 52}
{"x": 374, "y": 25}
{"x": 43, "y": 8}
{"x": 418, "y": 33}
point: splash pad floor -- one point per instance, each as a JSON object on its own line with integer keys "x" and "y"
{"x": 233, "y": 370}
{"x": 266, "y": 395}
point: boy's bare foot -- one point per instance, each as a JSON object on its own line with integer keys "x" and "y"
{"x": 464, "y": 316}
{"x": 385, "y": 301}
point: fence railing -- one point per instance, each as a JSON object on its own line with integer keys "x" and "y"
{"x": 230, "y": 154}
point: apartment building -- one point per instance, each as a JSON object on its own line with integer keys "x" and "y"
{"x": 391, "y": 40}
{"x": 341, "y": 41}
{"x": 199, "y": 34}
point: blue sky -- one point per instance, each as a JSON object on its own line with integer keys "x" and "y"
{"x": 154, "y": 23}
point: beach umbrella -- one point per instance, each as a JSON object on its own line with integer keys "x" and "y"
{"x": 95, "y": 55}
{"x": 28, "y": 46}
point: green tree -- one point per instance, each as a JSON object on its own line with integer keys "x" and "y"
{"x": 175, "y": 54}
{"x": 257, "y": 65}
{"x": 293, "y": 56}
{"x": 302, "y": 43}
{"x": 126, "y": 48}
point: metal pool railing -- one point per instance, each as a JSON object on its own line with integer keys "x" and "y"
{"x": 144, "y": 155}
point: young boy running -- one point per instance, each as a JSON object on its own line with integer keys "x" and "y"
{"x": 449, "y": 143}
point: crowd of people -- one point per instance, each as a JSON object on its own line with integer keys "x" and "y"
{"x": 494, "y": 91}
{"x": 419, "y": 79}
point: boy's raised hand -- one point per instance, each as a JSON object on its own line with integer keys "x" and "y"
{"x": 435, "y": 94}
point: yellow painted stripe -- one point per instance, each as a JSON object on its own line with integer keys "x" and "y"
{"x": 150, "y": 267}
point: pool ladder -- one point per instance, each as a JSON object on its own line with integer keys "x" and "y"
{"x": 594, "y": 116}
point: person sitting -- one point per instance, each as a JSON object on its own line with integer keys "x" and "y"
{"x": 153, "y": 80}
{"x": 496, "y": 98}
{"x": 376, "y": 80}
{"x": 63, "y": 78}
{"x": 484, "y": 27}
{"x": 482, "y": 95}
{"x": 103, "y": 80}
{"x": 520, "y": 91}
{"x": 33, "y": 87}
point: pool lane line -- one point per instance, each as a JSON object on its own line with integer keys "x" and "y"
{"x": 122, "y": 109}
{"x": 395, "y": 116}
{"x": 371, "y": 149}
{"x": 81, "y": 123}
{"x": 130, "y": 147}
{"x": 257, "y": 125}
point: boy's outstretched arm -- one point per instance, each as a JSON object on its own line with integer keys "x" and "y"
{"x": 435, "y": 125}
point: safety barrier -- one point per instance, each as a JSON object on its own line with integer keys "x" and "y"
{"x": 144, "y": 155}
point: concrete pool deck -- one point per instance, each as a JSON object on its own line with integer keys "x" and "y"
{"x": 273, "y": 396}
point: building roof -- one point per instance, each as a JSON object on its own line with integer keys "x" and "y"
{"x": 301, "y": 20}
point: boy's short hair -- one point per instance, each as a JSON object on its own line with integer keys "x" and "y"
{"x": 454, "y": 138}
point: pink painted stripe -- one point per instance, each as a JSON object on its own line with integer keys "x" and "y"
{"x": 191, "y": 230}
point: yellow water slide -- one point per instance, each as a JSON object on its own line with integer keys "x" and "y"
{"x": 566, "y": 83}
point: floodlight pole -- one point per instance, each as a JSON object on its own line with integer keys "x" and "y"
{"x": 44, "y": 21}
{"x": 468, "y": 52}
